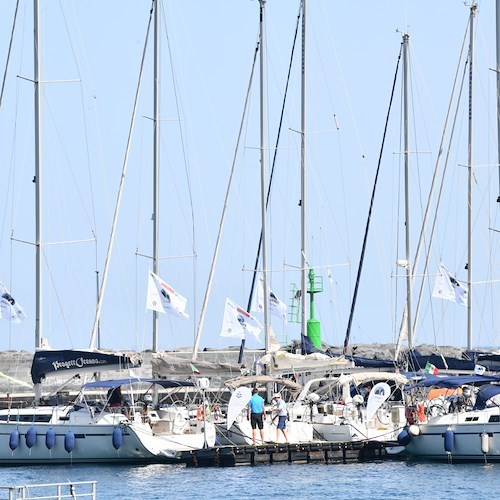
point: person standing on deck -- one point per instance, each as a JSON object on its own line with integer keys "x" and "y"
{"x": 279, "y": 409}
{"x": 255, "y": 412}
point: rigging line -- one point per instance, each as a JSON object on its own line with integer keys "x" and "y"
{"x": 85, "y": 128}
{"x": 98, "y": 134}
{"x": 9, "y": 52}
{"x": 363, "y": 249}
{"x": 184, "y": 151}
{"x": 223, "y": 216}
{"x": 441, "y": 185}
{"x": 122, "y": 181}
{"x": 186, "y": 168}
{"x": 1, "y": 96}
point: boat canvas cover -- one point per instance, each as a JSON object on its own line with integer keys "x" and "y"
{"x": 457, "y": 381}
{"x": 70, "y": 361}
{"x": 485, "y": 393}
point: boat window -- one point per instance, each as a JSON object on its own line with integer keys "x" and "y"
{"x": 25, "y": 418}
{"x": 494, "y": 418}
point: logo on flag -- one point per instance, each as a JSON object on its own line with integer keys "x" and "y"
{"x": 163, "y": 298}
{"x": 448, "y": 288}
{"x": 276, "y": 307}
{"x": 237, "y": 322}
{"x": 9, "y": 308}
{"x": 479, "y": 369}
{"x": 430, "y": 368}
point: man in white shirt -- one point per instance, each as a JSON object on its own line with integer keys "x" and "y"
{"x": 279, "y": 409}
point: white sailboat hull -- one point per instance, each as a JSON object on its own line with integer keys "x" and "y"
{"x": 476, "y": 436}
{"x": 94, "y": 441}
{"x": 93, "y": 444}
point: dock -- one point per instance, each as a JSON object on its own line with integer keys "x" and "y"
{"x": 317, "y": 452}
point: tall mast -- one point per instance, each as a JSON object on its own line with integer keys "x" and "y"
{"x": 470, "y": 179}
{"x": 497, "y": 11}
{"x": 156, "y": 156}
{"x": 409, "y": 279}
{"x": 263, "y": 153}
{"x": 38, "y": 176}
{"x": 303, "y": 194}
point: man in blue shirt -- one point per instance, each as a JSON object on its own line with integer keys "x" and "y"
{"x": 256, "y": 409}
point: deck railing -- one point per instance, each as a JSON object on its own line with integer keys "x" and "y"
{"x": 73, "y": 490}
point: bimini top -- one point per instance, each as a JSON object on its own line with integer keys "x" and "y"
{"x": 485, "y": 393}
{"x": 113, "y": 384}
{"x": 453, "y": 382}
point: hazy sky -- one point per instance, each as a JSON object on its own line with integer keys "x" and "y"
{"x": 91, "y": 53}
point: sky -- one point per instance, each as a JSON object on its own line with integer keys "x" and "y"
{"x": 91, "y": 60}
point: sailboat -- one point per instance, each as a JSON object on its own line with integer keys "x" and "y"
{"x": 89, "y": 429}
{"x": 460, "y": 419}
{"x": 282, "y": 369}
{"x": 358, "y": 406}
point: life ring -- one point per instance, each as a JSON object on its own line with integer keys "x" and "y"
{"x": 216, "y": 412}
{"x": 411, "y": 415}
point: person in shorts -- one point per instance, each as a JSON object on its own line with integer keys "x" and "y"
{"x": 255, "y": 413}
{"x": 279, "y": 409}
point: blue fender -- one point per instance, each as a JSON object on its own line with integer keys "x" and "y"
{"x": 117, "y": 438}
{"x": 449, "y": 440}
{"x": 50, "y": 438}
{"x": 31, "y": 437}
{"x": 14, "y": 440}
{"x": 404, "y": 437}
{"x": 69, "y": 441}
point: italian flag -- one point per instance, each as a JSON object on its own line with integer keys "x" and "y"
{"x": 430, "y": 368}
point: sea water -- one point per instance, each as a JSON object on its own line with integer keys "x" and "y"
{"x": 372, "y": 480}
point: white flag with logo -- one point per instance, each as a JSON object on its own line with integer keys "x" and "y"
{"x": 276, "y": 307}
{"x": 9, "y": 308}
{"x": 379, "y": 393}
{"x": 237, "y": 322}
{"x": 239, "y": 399}
{"x": 163, "y": 298}
{"x": 448, "y": 288}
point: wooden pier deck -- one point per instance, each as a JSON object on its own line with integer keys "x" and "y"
{"x": 317, "y": 452}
